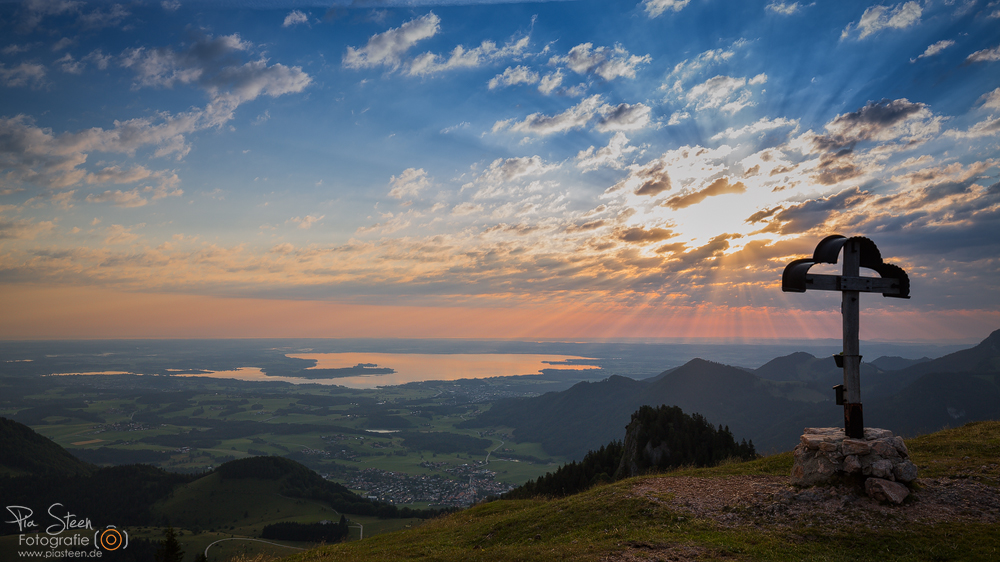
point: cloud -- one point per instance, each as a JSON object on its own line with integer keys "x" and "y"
{"x": 207, "y": 64}
{"x": 119, "y": 198}
{"x": 114, "y": 174}
{"x": 623, "y": 117}
{"x": 985, "y": 55}
{"x": 21, "y": 229}
{"x": 409, "y": 183}
{"x": 118, "y": 234}
{"x": 466, "y": 208}
{"x": 720, "y": 186}
{"x": 98, "y": 19}
{"x": 815, "y": 213}
{"x": 783, "y": 8}
{"x": 877, "y": 18}
{"x": 880, "y": 121}
{"x": 69, "y": 65}
{"x": 644, "y": 235}
{"x": 934, "y": 49}
{"x": 721, "y": 92}
{"x": 575, "y": 117}
{"x": 991, "y": 100}
{"x": 461, "y": 57}
{"x": 505, "y": 171}
{"x": 391, "y": 223}
{"x": 306, "y": 222}
{"x": 295, "y": 17}
{"x": 212, "y": 63}
{"x": 550, "y": 82}
{"x": 988, "y": 127}
{"x": 513, "y": 76}
{"x": 652, "y": 179}
{"x": 609, "y": 156}
{"x": 36, "y": 156}
{"x": 759, "y": 126}
{"x": 35, "y": 12}
{"x": 22, "y": 75}
{"x": 655, "y": 8}
{"x": 608, "y": 63}
{"x": 688, "y": 68}
{"x": 387, "y": 48}
{"x": 98, "y": 58}
{"x": 677, "y": 117}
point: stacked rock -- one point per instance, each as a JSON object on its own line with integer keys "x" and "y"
{"x": 826, "y": 455}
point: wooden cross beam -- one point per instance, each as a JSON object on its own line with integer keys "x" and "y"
{"x": 893, "y": 282}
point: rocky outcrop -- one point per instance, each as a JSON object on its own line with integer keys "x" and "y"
{"x": 635, "y": 456}
{"x": 826, "y": 455}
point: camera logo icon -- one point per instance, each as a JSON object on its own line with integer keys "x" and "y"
{"x": 110, "y": 538}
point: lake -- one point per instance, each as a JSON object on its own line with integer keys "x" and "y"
{"x": 415, "y": 367}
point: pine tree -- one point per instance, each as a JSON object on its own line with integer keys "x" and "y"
{"x": 170, "y": 549}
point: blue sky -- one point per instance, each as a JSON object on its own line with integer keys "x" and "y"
{"x": 644, "y": 164}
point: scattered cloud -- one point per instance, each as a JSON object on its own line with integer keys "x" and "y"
{"x": 877, "y": 18}
{"x": 306, "y": 222}
{"x": 885, "y": 120}
{"x": 550, "y": 82}
{"x": 934, "y": 49}
{"x": 988, "y": 127}
{"x": 991, "y": 100}
{"x": 623, "y": 117}
{"x": 118, "y": 234}
{"x": 295, "y": 17}
{"x": 720, "y": 186}
{"x": 466, "y": 208}
{"x": 462, "y": 57}
{"x": 782, "y": 8}
{"x": 762, "y": 125}
{"x": 985, "y": 55}
{"x": 119, "y": 198}
{"x": 610, "y": 156}
{"x": 725, "y": 93}
{"x": 513, "y": 76}
{"x": 69, "y": 65}
{"x": 21, "y": 75}
{"x": 608, "y": 63}
{"x": 408, "y": 183}
{"x": 575, "y": 117}
{"x": 504, "y": 171}
{"x": 23, "y": 229}
{"x": 98, "y": 59}
{"x": 388, "y": 47}
{"x": 656, "y": 8}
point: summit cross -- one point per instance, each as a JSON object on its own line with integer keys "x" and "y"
{"x": 893, "y": 282}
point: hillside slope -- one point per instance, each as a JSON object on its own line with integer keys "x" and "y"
{"x": 744, "y": 511}
{"x": 25, "y": 452}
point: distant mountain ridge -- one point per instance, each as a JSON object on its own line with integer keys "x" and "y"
{"x": 770, "y": 405}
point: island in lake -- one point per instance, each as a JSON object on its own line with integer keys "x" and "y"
{"x": 357, "y": 370}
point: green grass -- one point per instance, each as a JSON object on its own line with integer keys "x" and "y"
{"x": 959, "y": 452}
{"x": 606, "y": 520}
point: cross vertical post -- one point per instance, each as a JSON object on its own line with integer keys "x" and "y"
{"x": 850, "y": 306}
{"x": 858, "y": 252}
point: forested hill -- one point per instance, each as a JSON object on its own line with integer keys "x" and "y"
{"x": 25, "y": 452}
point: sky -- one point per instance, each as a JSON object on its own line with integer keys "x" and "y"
{"x": 485, "y": 169}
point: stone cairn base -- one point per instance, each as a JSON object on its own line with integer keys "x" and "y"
{"x": 826, "y": 455}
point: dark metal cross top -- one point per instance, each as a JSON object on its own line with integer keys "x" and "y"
{"x": 858, "y": 252}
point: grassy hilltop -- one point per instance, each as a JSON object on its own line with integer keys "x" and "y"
{"x": 954, "y": 514}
